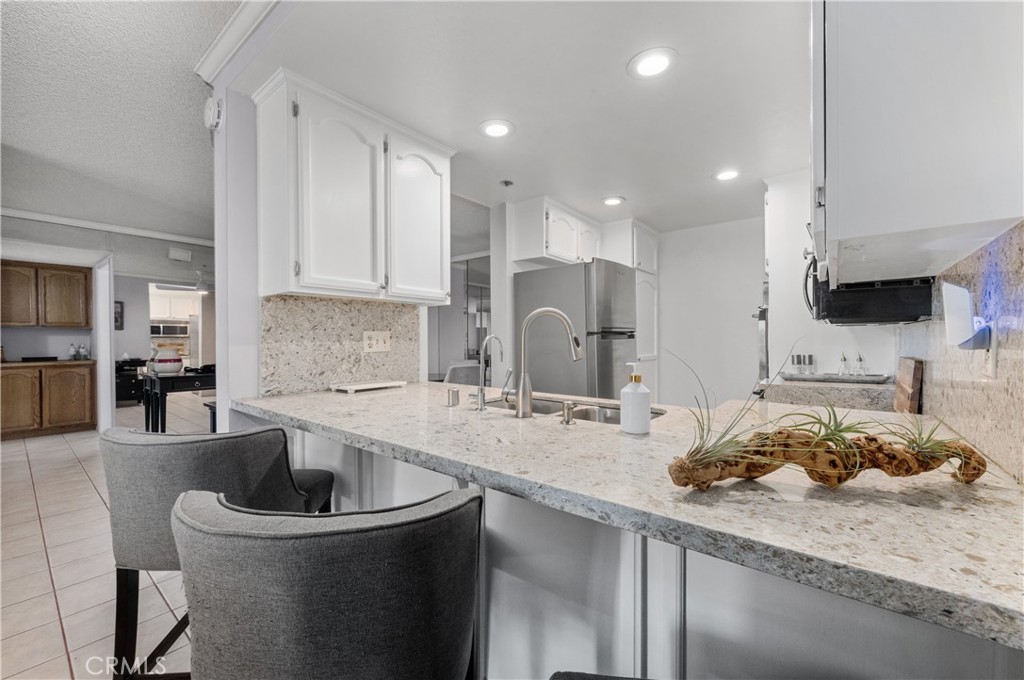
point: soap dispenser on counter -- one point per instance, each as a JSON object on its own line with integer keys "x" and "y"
{"x": 636, "y": 404}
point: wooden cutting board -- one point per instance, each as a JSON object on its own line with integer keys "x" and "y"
{"x": 909, "y": 374}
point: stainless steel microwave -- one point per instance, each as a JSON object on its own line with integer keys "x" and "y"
{"x": 169, "y": 330}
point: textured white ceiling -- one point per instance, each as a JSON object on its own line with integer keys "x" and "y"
{"x": 102, "y": 113}
{"x": 739, "y": 96}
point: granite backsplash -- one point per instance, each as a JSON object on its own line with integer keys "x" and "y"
{"x": 308, "y": 343}
{"x": 988, "y": 412}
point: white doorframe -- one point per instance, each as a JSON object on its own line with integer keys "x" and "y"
{"x": 103, "y": 341}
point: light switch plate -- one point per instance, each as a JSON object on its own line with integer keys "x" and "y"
{"x": 376, "y": 341}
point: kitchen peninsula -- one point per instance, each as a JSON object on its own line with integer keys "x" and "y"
{"x": 926, "y": 547}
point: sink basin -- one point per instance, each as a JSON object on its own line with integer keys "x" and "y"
{"x": 597, "y": 414}
{"x": 606, "y": 414}
{"x": 541, "y": 407}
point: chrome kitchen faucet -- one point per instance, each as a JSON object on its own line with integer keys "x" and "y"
{"x": 524, "y": 391}
{"x": 480, "y": 402}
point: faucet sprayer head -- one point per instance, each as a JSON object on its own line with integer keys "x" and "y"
{"x": 575, "y": 347}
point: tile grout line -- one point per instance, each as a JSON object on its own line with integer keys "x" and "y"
{"x": 87, "y": 475}
{"x": 49, "y": 569}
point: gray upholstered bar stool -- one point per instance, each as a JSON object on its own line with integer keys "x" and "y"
{"x": 146, "y": 472}
{"x": 386, "y": 595}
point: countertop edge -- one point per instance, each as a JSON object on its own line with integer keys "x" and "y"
{"x": 960, "y": 613}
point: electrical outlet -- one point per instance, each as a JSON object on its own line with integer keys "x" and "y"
{"x": 989, "y": 369}
{"x": 376, "y": 341}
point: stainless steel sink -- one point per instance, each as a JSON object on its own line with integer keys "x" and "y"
{"x": 606, "y": 414}
{"x": 597, "y": 414}
{"x": 541, "y": 407}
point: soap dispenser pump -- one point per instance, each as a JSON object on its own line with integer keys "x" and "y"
{"x": 636, "y": 404}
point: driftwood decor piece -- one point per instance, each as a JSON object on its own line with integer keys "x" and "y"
{"x": 829, "y": 450}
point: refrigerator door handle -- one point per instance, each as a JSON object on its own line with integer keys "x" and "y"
{"x": 613, "y": 334}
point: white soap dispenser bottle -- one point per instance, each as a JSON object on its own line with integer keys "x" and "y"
{"x": 636, "y": 404}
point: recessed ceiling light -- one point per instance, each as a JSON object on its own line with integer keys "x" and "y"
{"x": 652, "y": 62}
{"x": 727, "y": 175}
{"x": 614, "y": 200}
{"x": 497, "y": 128}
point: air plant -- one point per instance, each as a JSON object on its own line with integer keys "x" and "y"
{"x": 715, "y": 454}
{"x": 935, "y": 451}
{"x": 832, "y": 430}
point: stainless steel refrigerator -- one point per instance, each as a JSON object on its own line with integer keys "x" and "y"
{"x": 600, "y": 299}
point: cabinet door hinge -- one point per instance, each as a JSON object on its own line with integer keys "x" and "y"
{"x": 384, "y": 285}
{"x": 295, "y": 109}
{"x": 547, "y": 215}
{"x": 297, "y": 267}
{"x": 819, "y": 196}
{"x": 385, "y": 146}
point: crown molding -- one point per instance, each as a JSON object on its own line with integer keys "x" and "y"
{"x": 100, "y": 226}
{"x": 242, "y": 24}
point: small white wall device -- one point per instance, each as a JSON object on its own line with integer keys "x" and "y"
{"x": 963, "y": 329}
{"x": 213, "y": 113}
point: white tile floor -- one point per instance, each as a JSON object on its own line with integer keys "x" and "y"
{"x": 56, "y": 564}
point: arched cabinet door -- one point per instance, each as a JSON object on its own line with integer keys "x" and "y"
{"x": 589, "y": 241}
{"x": 18, "y": 289}
{"x": 562, "y": 235}
{"x": 340, "y": 176}
{"x": 646, "y": 315}
{"x": 65, "y": 297}
{"x": 419, "y": 230}
{"x": 68, "y": 395}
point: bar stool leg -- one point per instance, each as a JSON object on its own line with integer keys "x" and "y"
{"x": 126, "y": 622}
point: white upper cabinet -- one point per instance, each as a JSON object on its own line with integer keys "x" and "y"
{"x": 172, "y": 305}
{"x": 918, "y": 129}
{"x": 562, "y": 234}
{"x": 546, "y": 232}
{"x": 419, "y": 221}
{"x": 646, "y": 315}
{"x": 350, "y": 204}
{"x": 341, "y": 168}
{"x": 645, "y": 249}
{"x": 630, "y": 243}
{"x": 589, "y": 241}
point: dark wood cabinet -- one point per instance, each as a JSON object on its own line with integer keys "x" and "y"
{"x": 20, "y": 404}
{"x": 18, "y": 295}
{"x": 65, "y": 297}
{"x": 45, "y": 295}
{"x": 68, "y": 396}
{"x": 47, "y": 398}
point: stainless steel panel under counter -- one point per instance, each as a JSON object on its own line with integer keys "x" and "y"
{"x": 600, "y": 298}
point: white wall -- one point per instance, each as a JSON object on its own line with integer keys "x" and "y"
{"x": 710, "y": 280}
{"x": 134, "y": 339}
{"x": 43, "y": 342}
{"x": 132, "y": 255}
{"x": 787, "y": 210}
{"x": 502, "y": 323}
{"x": 235, "y": 232}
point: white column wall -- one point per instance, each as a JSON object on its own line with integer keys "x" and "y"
{"x": 787, "y": 211}
{"x": 710, "y": 279}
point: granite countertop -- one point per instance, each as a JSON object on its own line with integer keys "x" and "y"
{"x": 925, "y": 546}
{"x": 869, "y": 396}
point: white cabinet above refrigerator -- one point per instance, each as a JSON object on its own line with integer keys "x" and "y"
{"x": 918, "y": 128}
